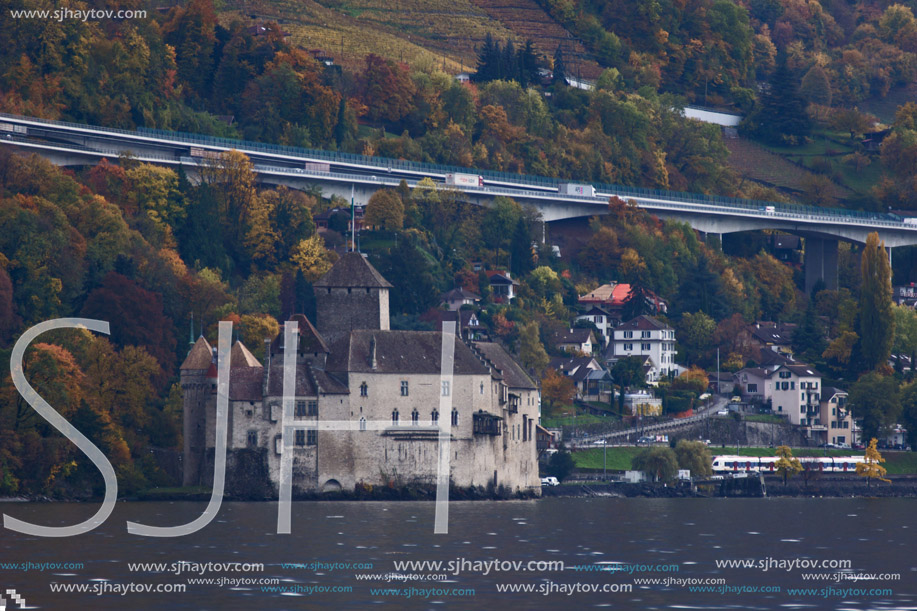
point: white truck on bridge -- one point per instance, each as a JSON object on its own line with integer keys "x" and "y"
{"x": 574, "y": 189}
{"x": 464, "y": 180}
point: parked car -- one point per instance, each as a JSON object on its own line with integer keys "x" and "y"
{"x": 549, "y": 481}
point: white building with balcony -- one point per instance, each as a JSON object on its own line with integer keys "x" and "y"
{"x": 644, "y": 336}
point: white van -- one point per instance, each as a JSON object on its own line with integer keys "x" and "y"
{"x": 549, "y": 481}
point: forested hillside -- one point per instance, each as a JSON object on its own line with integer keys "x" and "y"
{"x": 164, "y": 259}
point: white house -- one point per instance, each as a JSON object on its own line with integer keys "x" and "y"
{"x": 602, "y": 319}
{"x": 836, "y": 418}
{"x": 794, "y": 390}
{"x": 644, "y": 336}
{"x": 575, "y": 340}
{"x": 458, "y": 297}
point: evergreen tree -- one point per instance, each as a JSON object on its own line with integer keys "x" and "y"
{"x": 781, "y": 116}
{"x": 808, "y": 339}
{"x": 702, "y": 291}
{"x": 560, "y": 68}
{"x": 528, "y": 64}
{"x": 488, "y": 61}
{"x": 521, "y": 261}
{"x": 875, "y": 316}
{"x": 639, "y": 302}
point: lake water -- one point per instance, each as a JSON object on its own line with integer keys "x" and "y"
{"x": 674, "y": 538}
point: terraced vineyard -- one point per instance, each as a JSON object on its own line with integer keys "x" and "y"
{"x": 753, "y": 162}
{"x": 436, "y": 32}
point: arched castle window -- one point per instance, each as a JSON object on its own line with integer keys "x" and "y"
{"x": 364, "y": 390}
{"x": 362, "y": 423}
{"x": 435, "y": 417}
{"x": 395, "y": 417}
{"x": 454, "y": 417}
{"x": 415, "y": 417}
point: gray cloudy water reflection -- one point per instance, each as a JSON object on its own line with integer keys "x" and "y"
{"x": 876, "y": 535}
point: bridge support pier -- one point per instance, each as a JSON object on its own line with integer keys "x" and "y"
{"x": 821, "y": 262}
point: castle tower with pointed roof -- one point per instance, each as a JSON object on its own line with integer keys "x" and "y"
{"x": 196, "y": 389}
{"x": 352, "y": 295}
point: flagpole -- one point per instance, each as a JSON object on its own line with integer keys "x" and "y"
{"x": 353, "y": 223}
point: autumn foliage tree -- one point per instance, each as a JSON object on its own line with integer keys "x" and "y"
{"x": 557, "y": 389}
{"x": 871, "y": 468}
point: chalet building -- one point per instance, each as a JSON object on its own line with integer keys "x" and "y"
{"x": 458, "y": 297}
{"x": 351, "y": 368}
{"x": 612, "y": 297}
{"x": 575, "y": 340}
{"x": 467, "y": 322}
{"x": 502, "y": 286}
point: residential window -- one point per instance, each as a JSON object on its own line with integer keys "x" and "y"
{"x": 628, "y": 334}
{"x": 753, "y": 388}
{"x": 300, "y": 438}
{"x": 628, "y": 346}
{"x": 785, "y": 374}
{"x": 395, "y": 417}
{"x": 644, "y": 346}
{"x": 364, "y": 389}
{"x": 792, "y": 385}
{"x": 645, "y": 334}
{"x": 300, "y": 409}
{"x": 415, "y": 418}
{"x": 445, "y": 388}
{"x": 404, "y": 388}
{"x": 454, "y": 417}
{"x": 362, "y": 423}
{"x": 311, "y": 437}
{"x": 312, "y": 408}
{"x": 803, "y": 397}
{"x": 802, "y": 409}
{"x": 253, "y": 439}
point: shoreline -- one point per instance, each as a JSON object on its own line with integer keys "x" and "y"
{"x": 901, "y": 486}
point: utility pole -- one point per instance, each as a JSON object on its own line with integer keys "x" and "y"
{"x": 717, "y": 370}
{"x": 353, "y": 222}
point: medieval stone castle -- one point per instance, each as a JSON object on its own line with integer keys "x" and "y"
{"x": 351, "y": 367}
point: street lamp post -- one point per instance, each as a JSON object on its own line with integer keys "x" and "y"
{"x": 604, "y": 460}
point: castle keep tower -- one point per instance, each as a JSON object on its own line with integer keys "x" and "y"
{"x": 196, "y": 390}
{"x": 353, "y": 295}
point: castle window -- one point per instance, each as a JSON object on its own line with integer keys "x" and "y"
{"x": 300, "y": 409}
{"x": 364, "y": 390}
{"x": 415, "y": 418}
{"x": 253, "y": 439}
{"x": 445, "y": 388}
{"x": 362, "y": 424}
{"x": 312, "y": 408}
{"x": 454, "y": 417}
{"x": 395, "y": 417}
{"x": 300, "y": 438}
{"x": 435, "y": 418}
{"x": 404, "y": 388}
{"x": 482, "y": 388}
{"x": 311, "y": 437}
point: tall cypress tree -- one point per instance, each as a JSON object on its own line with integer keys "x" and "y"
{"x": 521, "y": 249}
{"x": 560, "y": 68}
{"x": 876, "y": 317}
